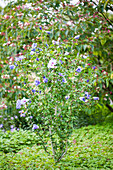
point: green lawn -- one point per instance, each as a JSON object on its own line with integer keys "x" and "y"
{"x": 91, "y": 148}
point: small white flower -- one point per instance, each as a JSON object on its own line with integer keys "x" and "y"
{"x": 24, "y": 100}
{"x": 77, "y": 37}
{"x": 96, "y": 98}
{"x": 84, "y": 56}
{"x": 66, "y": 53}
{"x": 52, "y": 63}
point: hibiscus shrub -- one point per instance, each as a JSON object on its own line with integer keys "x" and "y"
{"x": 54, "y": 68}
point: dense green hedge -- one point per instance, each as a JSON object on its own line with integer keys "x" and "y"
{"x": 91, "y": 148}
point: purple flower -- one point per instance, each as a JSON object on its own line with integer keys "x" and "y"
{"x": 35, "y": 127}
{"x": 16, "y": 64}
{"x": 63, "y": 80}
{"x": 32, "y": 52}
{"x": 1, "y": 125}
{"x": 19, "y": 58}
{"x": 82, "y": 99}
{"x": 5, "y": 118}
{"x": 34, "y": 45}
{"x": 33, "y": 91}
{"x": 16, "y": 117}
{"x": 12, "y": 126}
{"x": 18, "y": 104}
{"x": 45, "y": 80}
{"x": 61, "y": 61}
{"x": 31, "y": 117}
{"x": 22, "y": 115}
{"x": 40, "y": 92}
{"x": 12, "y": 129}
{"x": 94, "y": 67}
{"x": 11, "y": 66}
{"x": 40, "y": 49}
{"x": 12, "y": 118}
{"x": 67, "y": 97}
{"x": 60, "y": 74}
{"x": 87, "y": 95}
{"x": 79, "y": 69}
{"x": 48, "y": 32}
{"x": 29, "y": 101}
{"x": 37, "y": 82}
{"x": 33, "y": 49}
{"x": 87, "y": 81}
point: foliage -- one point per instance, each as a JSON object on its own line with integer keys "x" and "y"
{"x": 69, "y": 50}
{"x": 16, "y": 140}
{"x": 91, "y": 148}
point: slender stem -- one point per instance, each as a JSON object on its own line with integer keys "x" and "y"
{"x": 52, "y": 143}
{"x": 55, "y": 110}
{"x": 43, "y": 144}
{"x": 63, "y": 153}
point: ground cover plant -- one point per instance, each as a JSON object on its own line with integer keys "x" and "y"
{"x": 55, "y": 66}
{"x": 91, "y": 148}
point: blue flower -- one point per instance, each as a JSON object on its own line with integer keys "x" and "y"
{"x": 94, "y": 67}
{"x": 35, "y": 127}
{"x": 39, "y": 49}
{"x": 45, "y": 80}
{"x": 96, "y": 98}
{"x": 11, "y": 66}
{"x": 16, "y": 117}
{"x": 87, "y": 81}
{"x": 87, "y": 95}
{"x": 33, "y": 91}
{"x": 33, "y": 49}
{"x": 12, "y": 126}
{"x": 40, "y": 28}
{"x": 48, "y": 32}
{"x": 16, "y": 64}
{"x": 37, "y": 59}
{"x": 77, "y": 37}
{"x": 37, "y": 82}
{"x": 82, "y": 99}
{"x": 1, "y": 125}
{"x": 60, "y": 74}
{"x": 61, "y": 61}
{"x": 79, "y": 69}
{"x": 67, "y": 97}
{"x": 32, "y": 52}
{"x": 64, "y": 81}
{"x": 34, "y": 45}
{"x": 47, "y": 45}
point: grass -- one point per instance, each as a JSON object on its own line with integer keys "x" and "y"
{"x": 90, "y": 148}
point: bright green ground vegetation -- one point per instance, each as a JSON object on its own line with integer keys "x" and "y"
{"x": 91, "y": 147}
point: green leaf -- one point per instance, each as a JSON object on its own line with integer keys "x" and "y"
{"x": 103, "y": 41}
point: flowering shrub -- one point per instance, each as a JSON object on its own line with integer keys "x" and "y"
{"x": 53, "y": 70}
